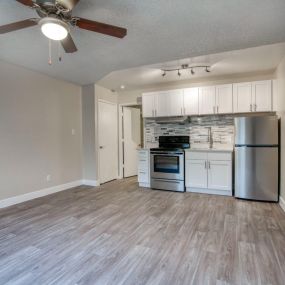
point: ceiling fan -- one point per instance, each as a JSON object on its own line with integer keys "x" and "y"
{"x": 56, "y": 19}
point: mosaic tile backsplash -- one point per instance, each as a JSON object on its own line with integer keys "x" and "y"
{"x": 200, "y": 130}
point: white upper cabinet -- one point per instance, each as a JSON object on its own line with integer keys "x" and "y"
{"x": 242, "y": 97}
{"x": 161, "y": 104}
{"x": 207, "y": 100}
{"x": 175, "y": 102}
{"x": 148, "y": 103}
{"x": 224, "y": 99}
{"x": 262, "y": 96}
{"x": 191, "y": 101}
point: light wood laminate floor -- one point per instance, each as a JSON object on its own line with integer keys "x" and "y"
{"x": 120, "y": 234}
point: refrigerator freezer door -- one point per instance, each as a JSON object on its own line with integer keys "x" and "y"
{"x": 256, "y": 173}
{"x": 256, "y": 130}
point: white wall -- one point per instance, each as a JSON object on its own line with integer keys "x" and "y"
{"x": 37, "y": 115}
{"x": 280, "y": 74}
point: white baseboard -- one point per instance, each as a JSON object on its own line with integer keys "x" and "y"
{"x": 37, "y": 194}
{"x": 94, "y": 183}
{"x": 282, "y": 203}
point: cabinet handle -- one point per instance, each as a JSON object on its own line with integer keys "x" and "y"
{"x": 155, "y": 112}
{"x": 214, "y": 109}
{"x": 205, "y": 164}
{"x": 218, "y": 109}
{"x": 184, "y": 110}
{"x": 250, "y": 107}
{"x": 255, "y": 107}
{"x": 181, "y": 111}
{"x": 209, "y": 165}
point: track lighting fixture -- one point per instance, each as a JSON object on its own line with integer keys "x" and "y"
{"x": 184, "y": 67}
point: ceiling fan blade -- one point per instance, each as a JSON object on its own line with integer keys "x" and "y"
{"x": 101, "y": 28}
{"x": 18, "y": 26}
{"x": 68, "y": 44}
{"x": 26, "y": 2}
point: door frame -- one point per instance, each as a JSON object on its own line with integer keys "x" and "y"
{"x": 97, "y": 144}
{"x": 121, "y": 139}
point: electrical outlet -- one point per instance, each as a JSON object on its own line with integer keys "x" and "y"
{"x": 48, "y": 177}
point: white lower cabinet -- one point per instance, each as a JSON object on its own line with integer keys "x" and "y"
{"x": 143, "y": 168}
{"x": 209, "y": 172}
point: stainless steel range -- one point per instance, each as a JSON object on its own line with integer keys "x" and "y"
{"x": 167, "y": 168}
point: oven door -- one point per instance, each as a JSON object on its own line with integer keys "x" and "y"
{"x": 166, "y": 165}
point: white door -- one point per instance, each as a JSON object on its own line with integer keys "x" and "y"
{"x": 108, "y": 141}
{"x": 242, "y": 97}
{"x": 191, "y": 101}
{"x": 219, "y": 175}
{"x": 132, "y": 140}
{"x": 196, "y": 173}
{"x": 207, "y": 100}
{"x": 224, "y": 99}
{"x": 148, "y": 105}
{"x": 262, "y": 96}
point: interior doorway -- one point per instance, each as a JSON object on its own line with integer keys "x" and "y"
{"x": 108, "y": 141}
{"x": 132, "y": 138}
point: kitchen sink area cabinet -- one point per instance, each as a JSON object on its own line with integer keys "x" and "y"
{"x": 209, "y": 172}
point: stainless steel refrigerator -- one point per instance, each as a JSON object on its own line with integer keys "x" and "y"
{"x": 257, "y": 158}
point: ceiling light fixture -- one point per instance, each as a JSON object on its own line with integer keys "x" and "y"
{"x": 54, "y": 29}
{"x": 185, "y": 67}
{"x": 123, "y": 86}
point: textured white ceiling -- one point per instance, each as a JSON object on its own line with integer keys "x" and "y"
{"x": 158, "y": 31}
{"x": 248, "y": 61}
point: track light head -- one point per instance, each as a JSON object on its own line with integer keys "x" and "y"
{"x": 207, "y": 69}
{"x": 179, "y": 73}
{"x": 163, "y": 74}
{"x": 192, "y": 71}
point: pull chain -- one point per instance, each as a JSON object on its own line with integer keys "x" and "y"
{"x": 58, "y": 52}
{"x": 49, "y": 50}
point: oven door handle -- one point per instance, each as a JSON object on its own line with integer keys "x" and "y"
{"x": 168, "y": 153}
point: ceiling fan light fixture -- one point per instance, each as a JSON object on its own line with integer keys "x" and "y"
{"x": 54, "y": 29}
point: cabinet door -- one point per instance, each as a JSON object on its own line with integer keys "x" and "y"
{"x": 242, "y": 97}
{"x": 148, "y": 105}
{"x": 175, "y": 102}
{"x": 224, "y": 99}
{"x": 220, "y": 175}
{"x": 262, "y": 96}
{"x": 191, "y": 101}
{"x": 207, "y": 100}
{"x": 196, "y": 173}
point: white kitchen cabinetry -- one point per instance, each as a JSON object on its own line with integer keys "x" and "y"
{"x": 191, "y": 101}
{"x": 253, "y": 97}
{"x": 262, "y": 96}
{"x": 163, "y": 104}
{"x": 144, "y": 168}
{"x": 209, "y": 172}
{"x": 207, "y": 100}
{"x": 149, "y": 104}
{"x": 224, "y": 99}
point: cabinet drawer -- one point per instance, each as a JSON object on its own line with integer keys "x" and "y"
{"x": 196, "y": 155}
{"x": 143, "y": 176}
{"x": 143, "y": 155}
{"x": 220, "y": 156}
{"x": 143, "y": 165}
